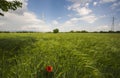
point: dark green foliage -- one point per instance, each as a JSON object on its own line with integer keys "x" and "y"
{"x": 82, "y": 31}
{"x": 5, "y": 5}
{"x": 72, "y": 31}
{"x": 56, "y": 30}
{"x": 1, "y": 14}
{"x": 44, "y": 74}
{"x": 10, "y": 51}
{"x": 111, "y": 31}
{"x": 4, "y": 31}
{"x": 117, "y": 31}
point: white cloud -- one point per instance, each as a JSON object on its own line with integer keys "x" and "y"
{"x": 87, "y": 5}
{"x": 70, "y": 15}
{"x": 83, "y": 11}
{"x": 107, "y": 1}
{"x": 59, "y": 18}
{"x": 22, "y": 20}
{"x": 95, "y": 3}
{"x": 74, "y": 21}
{"x": 55, "y": 22}
{"x": 103, "y": 16}
{"x": 28, "y": 21}
{"x": 87, "y": 28}
{"x": 76, "y": 5}
{"x": 80, "y": 10}
{"x": 80, "y": 6}
{"x": 80, "y": 1}
{"x": 89, "y": 18}
{"x": 102, "y": 28}
{"x": 71, "y": 22}
{"x": 114, "y": 5}
{"x": 1, "y": 24}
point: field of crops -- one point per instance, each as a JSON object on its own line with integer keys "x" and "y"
{"x": 72, "y": 55}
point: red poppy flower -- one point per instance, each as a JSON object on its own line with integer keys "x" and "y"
{"x": 49, "y": 68}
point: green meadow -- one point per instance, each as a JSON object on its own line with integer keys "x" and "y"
{"x": 72, "y": 55}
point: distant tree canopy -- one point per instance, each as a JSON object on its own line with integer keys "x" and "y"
{"x": 82, "y": 31}
{"x": 56, "y": 30}
{"x": 6, "y": 5}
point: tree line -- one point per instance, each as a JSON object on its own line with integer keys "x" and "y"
{"x": 57, "y": 31}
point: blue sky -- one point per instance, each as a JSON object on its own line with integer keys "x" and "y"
{"x": 46, "y": 15}
{"x": 52, "y": 9}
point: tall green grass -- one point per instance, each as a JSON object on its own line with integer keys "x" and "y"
{"x": 72, "y": 55}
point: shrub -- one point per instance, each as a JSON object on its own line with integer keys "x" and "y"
{"x": 56, "y": 30}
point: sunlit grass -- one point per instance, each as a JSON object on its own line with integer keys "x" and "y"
{"x": 72, "y": 55}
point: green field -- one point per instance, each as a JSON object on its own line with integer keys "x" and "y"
{"x": 72, "y": 55}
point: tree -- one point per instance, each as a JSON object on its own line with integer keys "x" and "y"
{"x": 84, "y": 31}
{"x": 56, "y": 30}
{"x": 5, "y": 6}
{"x": 72, "y": 31}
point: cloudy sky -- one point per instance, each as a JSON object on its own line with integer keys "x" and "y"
{"x": 66, "y": 15}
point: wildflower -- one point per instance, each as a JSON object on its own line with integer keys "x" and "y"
{"x": 49, "y": 68}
